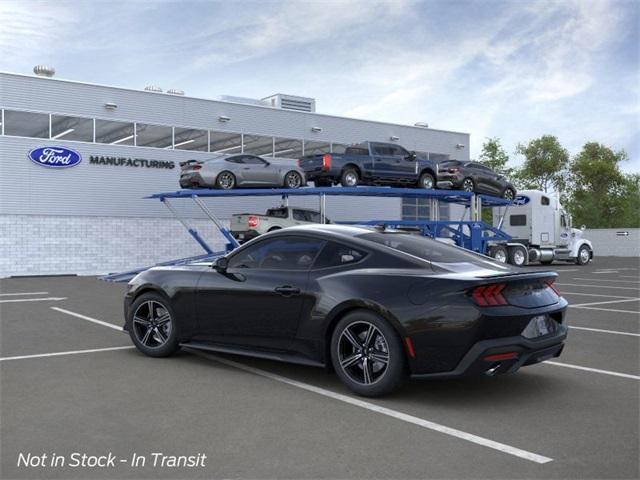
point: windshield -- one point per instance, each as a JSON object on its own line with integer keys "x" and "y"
{"x": 441, "y": 255}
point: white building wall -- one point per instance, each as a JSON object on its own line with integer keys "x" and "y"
{"x": 612, "y": 242}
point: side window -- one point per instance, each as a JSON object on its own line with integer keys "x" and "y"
{"x": 399, "y": 152}
{"x": 544, "y": 201}
{"x": 251, "y": 160}
{"x": 518, "y": 220}
{"x": 282, "y": 253}
{"x": 235, "y": 160}
{"x": 300, "y": 216}
{"x": 335, "y": 254}
{"x": 313, "y": 217}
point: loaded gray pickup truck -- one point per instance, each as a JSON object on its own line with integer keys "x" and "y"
{"x": 245, "y": 226}
{"x": 371, "y": 163}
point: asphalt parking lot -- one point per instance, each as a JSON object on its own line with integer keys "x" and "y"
{"x": 70, "y": 382}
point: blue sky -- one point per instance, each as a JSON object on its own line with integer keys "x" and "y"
{"x": 515, "y": 69}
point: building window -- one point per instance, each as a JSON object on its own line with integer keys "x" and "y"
{"x": 71, "y": 128}
{"x": 258, "y": 145}
{"x": 157, "y": 136}
{"x": 225, "y": 142}
{"x": 26, "y": 124}
{"x": 287, "y": 148}
{"x": 190, "y": 139}
{"x": 315, "y": 148}
{"x": 114, "y": 133}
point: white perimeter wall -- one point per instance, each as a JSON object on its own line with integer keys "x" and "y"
{"x": 607, "y": 242}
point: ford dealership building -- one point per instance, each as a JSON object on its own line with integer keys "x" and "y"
{"x": 77, "y": 160}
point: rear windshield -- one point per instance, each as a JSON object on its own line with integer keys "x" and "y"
{"x": 450, "y": 163}
{"x": 441, "y": 255}
{"x": 277, "y": 212}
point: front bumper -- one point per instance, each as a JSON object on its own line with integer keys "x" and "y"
{"x": 528, "y": 352}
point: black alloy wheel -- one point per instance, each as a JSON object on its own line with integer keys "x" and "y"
{"x": 367, "y": 354}
{"x": 152, "y": 327}
{"x": 293, "y": 179}
{"x": 427, "y": 181}
{"x": 468, "y": 185}
{"x": 226, "y": 180}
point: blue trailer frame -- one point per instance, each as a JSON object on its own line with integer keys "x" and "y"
{"x": 473, "y": 234}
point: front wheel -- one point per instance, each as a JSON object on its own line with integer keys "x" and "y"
{"x": 293, "y": 179}
{"x": 152, "y": 326}
{"x": 226, "y": 180}
{"x": 367, "y": 354}
{"x": 584, "y": 255}
{"x": 427, "y": 181}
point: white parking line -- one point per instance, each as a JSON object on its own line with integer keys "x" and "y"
{"x": 605, "y": 302}
{"x": 23, "y": 293}
{"x": 485, "y": 442}
{"x": 599, "y": 286}
{"x": 595, "y": 370}
{"x": 607, "y": 309}
{"x": 599, "y": 330}
{"x": 604, "y": 280}
{"x": 47, "y": 299}
{"x": 604, "y": 272}
{"x": 593, "y": 294}
{"x": 88, "y": 319}
{"x": 569, "y": 270}
{"x": 58, "y": 354}
{"x": 628, "y": 276}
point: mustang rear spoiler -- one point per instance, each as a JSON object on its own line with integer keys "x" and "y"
{"x": 188, "y": 162}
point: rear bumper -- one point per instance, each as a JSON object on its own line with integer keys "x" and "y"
{"x": 449, "y": 181}
{"x": 192, "y": 180}
{"x": 528, "y": 352}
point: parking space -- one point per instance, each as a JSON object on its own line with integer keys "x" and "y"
{"x": 575, "y": 417}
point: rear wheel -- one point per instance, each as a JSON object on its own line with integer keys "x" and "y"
{"x": 509, "y": 194}
{"x": 499, "y": 253}
{"x": 293, "y": 179}
{"x": 367, "y": 354}
{"x": 349, "y": 178}
{"x": 226, "y": 180}
{"x": 152, "y": 326}
{"x": 427, "y": 181}
{"x": 518, "y": 256}
{"x": 468, "y": 185}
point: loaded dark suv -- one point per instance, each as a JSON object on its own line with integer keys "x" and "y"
{"x": 474, "y": 177}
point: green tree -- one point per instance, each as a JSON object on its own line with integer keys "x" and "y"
{"x": 600, "y": 195}
{"x": 494, "y": 156}
{"x": 545, "y": 164}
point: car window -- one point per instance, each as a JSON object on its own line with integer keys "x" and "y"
{"x": 251, "y": 160}
{"x": 356, "y": 151}
{"x": 399, "y": 151}
{"x": 382, "y": 149}
{"x": 277, "y": 212}
{"x": 300, "y": 215}
{"x": 442, "y": 256}
{"x": 335, "y": 254}
{"x": 282, "y": 253}
{"x": 234, "y": 159}
{"x": 313, "y": 217}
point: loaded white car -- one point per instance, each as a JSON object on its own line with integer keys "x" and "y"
{"x": 245, "y": 226}
{"x": 540, "y": 230}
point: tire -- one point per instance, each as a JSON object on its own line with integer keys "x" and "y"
{"x": 584, "y": 255}
{"x": 154, "y": 335}
{"x": 427, "y": 181}
{"x": 225, "y": 180}
{"x": 384, "y": 343}
{"x": 293, "y": 180}
{"x": 508, "y": 194}
{"x": 518, "y": 256}
{"x": 499, "y": 253}
{"x": 468, "y": 185}
{"x": 349, "y": 177}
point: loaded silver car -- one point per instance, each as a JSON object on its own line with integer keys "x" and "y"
{"x": 241, "y": 170}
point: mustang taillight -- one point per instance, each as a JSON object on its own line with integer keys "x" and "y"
{"x": 489, "y": 295}
{"x": 253, "y": 221}
{"x": 326, "y": 161}
{"x": 552, "y": 285}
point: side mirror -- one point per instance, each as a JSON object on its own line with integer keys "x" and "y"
{"x": 221, "y": 264}
{"x": 412, "y": 156}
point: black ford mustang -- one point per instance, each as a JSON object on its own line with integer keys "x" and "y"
{"x": 375, "y": 305}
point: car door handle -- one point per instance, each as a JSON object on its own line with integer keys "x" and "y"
{"x": 287, "y": 290}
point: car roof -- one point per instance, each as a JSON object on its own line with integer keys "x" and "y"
{"x": 346, "y": 230}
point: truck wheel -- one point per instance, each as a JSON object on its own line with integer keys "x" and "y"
{"x": 499, "y": 254}
{"x": 349, "y": 178}
{"x": 427, "y": 181}
{"x": 584, "y": 255}
{"x": 518, "y": 256}
{"x": 509, "y": 194}
{"x": 468, "y": 185}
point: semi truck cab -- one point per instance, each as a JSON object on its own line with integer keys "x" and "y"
{"x": 541, "y": 231}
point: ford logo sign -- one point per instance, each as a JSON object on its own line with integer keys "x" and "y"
{"x": 55, "y": 157}
{"x": 521, "y": 200}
